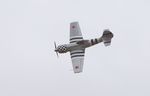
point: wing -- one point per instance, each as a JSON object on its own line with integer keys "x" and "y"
{"x": 75, "y": 32}
{"x": 77, "y": 57}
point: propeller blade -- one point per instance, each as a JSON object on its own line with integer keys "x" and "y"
{"x": 57, "y": 54}
{"x": 55, "y": 45}
{"x": 55, "y": 49}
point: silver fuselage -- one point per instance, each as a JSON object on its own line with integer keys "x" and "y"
{"x": 78, "y": 45}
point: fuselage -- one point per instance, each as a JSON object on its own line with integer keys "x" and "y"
{"x": 82, "y": 44}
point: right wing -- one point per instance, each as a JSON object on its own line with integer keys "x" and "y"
{"x": 77, "y": 57}
{"x": 75, "y": 32}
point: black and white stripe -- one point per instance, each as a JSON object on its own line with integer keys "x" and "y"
{"x": 75, "y": 39}
{"x": 77, "y": 53}
{"x": 94, "y": 41}
{"x": 77, "y": 56}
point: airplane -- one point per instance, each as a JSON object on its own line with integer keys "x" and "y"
{"x": 77, "y": 45}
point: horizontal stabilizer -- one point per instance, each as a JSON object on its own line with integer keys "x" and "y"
{"x": 106, "y": 37}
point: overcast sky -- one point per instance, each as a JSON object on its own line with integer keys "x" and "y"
{"x": 29, "y": 66}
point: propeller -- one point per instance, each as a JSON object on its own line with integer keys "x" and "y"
{"x": 55, "y": 49}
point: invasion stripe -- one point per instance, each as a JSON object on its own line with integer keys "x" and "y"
{"x": 73, "y": 41}
{"x": 96, "y": 41}
{"x": 76, "y": 38}
{"x": 77, "y": 56}
{"x": 76, "y": 53}
{"x": 92, "y": 42}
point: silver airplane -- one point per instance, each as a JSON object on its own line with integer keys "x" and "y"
{"x": 77, "y": 45}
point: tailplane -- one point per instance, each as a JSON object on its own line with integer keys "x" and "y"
{"x": 106, "y": 37}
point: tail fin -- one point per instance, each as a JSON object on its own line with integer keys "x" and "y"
{"x": 106, "y": 37}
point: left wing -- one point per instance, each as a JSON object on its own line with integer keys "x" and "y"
{"x": 77, "y": 57}
{"x": 75, "y": 32}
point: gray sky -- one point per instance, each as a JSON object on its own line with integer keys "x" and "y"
{"x": 29, "y": 66}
